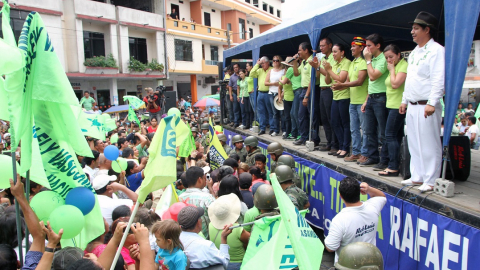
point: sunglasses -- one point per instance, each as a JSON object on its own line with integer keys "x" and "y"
{"x": 275, "y": 60}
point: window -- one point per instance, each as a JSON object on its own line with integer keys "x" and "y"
{"x": 214, "y": 53}
{"x": 255, "y": 3}
{"x": 183, "y": 50}
{"x": 193, "y": 26}
{"x": 271, "y": 10}
{"x": 241, "y": 28}
{"x": 17, "y": 18}
{"x": 265, "y": 6}
{"x": 229, "y": 26}
{"x": 248, "y": 1}
{"x": 206, "y": 19}
{"x": 93, "y": 44}
{"x": 251, "y": 32}
{"x": 138, "y": 49}
{"x": 253, "y": 23}
{"x": 279, "y": 13}
{"x": 209, "y": 30}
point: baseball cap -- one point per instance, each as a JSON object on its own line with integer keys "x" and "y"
{"x": 245, "y": 180}
{"x": 65, "y": 257}
{"x": 6, "y": 135}
{"x": 189, "y": 215}
{"x": 102, "y": 180}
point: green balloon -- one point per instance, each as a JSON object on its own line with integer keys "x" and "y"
{"x": 174, "y": 111}
{"x": 69, "y": 218}
{"x": 123, "y": 165}
{"x": 44, "y": 203}
{"x": 6, "y": 171}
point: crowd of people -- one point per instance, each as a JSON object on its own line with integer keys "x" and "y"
{"x": 360, "y": 100}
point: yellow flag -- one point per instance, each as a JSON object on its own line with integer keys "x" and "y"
{"x": 161, "y": 167}
{"x": 217, "y": 153}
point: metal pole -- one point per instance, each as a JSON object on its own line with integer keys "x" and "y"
{"x": 17, "y": 211}
{"x": 125, "y": 234}
{"x": 312, "y": 98}
{"x": 27, "y": 190}
{"x": 445, "y": 158}
{"x": 228, "y": 39}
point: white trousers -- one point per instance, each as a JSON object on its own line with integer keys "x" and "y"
{"x": 424, "y": 143}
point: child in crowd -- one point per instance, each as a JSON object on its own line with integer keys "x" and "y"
{"x": 170, "y": 255}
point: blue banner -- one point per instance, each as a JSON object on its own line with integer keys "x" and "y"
{"x": 409, "y": 236}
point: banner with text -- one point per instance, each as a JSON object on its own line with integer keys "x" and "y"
{"x": 409, "y": 236}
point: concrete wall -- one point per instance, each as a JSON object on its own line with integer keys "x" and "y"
{"x": 215, "y": 17}
{"x": 52, "y": 23}
{"x": 139, "y": 17}
{"x": 256, "y": 29}
{"x": 56, "y": 5}
{"x": 196, "y": 12}
{"x": 195, "y": 65}
{"x": 94, "y": 9}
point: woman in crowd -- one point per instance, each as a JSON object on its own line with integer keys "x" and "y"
{"x": 244, "y": 99}
{"x": 341, "y": 99}
{"x": 229, "y": 185}
{"x": 238, "y": 239}
{"x": 394, "y": 130}
{"x": 285, "y": 93}
{"x": 272, "y": 80}
{"x": 153, "y": 126}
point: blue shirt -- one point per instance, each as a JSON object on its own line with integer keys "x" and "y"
{"x": 31, "y": 260}
{"x": 134, "y": 181}
{"x": 233, "y": 82}
{"x": 187, "y": 104}
{"x": 174, "y": 261}
{"x": 203, "y": 253}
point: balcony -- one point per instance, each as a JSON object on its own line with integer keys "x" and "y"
{"x": 140, "y": 18}
{"x": 209, "y": 69}
{"x": 194, "y": 30}
{"x": 95, "y": 10}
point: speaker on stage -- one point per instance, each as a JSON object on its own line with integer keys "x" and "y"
{"x": 170, "y": 100}
{"x": 458, "y": 167}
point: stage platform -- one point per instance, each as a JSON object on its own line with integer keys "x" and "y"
{"x": 463, "y": 207}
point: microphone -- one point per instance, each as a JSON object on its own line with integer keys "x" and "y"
{"x": 291, "y": 60}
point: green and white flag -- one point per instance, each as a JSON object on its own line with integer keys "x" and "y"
{"x": 306, "y": 245}
{"x": 162, "y": 162}
{"x": 54, "y": 136}
{"x": 110, "y": 123}
{"x": 92, "y": 125}
{"x": 133, "y": 101}
{"x": 187, "y": 146}
{"x": 132, "y": 116}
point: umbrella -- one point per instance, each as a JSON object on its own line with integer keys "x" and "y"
{"x": 121, "y": 108}
{"x": 217, "y": 96}
{"x": 205, "y": 102}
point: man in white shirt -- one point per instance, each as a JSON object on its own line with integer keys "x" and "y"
{"x": 472, "y": 131}
{"x": 91, "y": 165}
{"x": 105, "y": 186}
{"x": 200, "y": 252}
{"x": 357, "y": 222}
{"x": 424, "y": 87}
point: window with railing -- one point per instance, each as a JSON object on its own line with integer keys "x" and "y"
{"x": 183, "y": 50}
{"x": 211, "y": 62}
{"x": 255, "y": 3}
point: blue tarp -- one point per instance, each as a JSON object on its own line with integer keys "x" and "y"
{"x": 457, "y": 28}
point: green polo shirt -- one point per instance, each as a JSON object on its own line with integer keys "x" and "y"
{"x": 358, "y": 94}
{"x": 322, "y": 78}
{"x": 306, "y": 72}
{"x": 261, "y": 74}
{"x": 287, "y": 91}
{"x": 394, "y": 96}
{"x": 378, "y": 86}
{"x": 243, "y": 84}
{"x": 250, "y": 84}
{"x": 296, "y": 80}
{"x": 338, "y": 67}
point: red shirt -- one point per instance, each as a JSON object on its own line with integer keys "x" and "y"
{"x": 259, "y": 181}
{"x": 151, "y": 108}
{"x": 150, "y": 129}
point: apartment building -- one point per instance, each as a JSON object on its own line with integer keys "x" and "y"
{"x": 199, "y": 31}
{"x": 83, "y": 30}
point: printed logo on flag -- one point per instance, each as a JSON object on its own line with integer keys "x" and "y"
{"x": 169, "y": 141}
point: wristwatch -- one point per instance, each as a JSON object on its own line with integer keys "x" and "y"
{"x": 52, "y": 250}
{"x": 369, "y": 62}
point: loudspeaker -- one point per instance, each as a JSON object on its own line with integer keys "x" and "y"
{"x": 170, "y": 100}
{"x": 458, "y": 167}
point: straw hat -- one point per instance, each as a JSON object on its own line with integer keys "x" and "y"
{"x": 286, "y": 62}
{"x": 224, "y": 210}
{"x": 278, "y": 103}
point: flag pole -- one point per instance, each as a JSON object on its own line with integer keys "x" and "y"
{"x": 124, "y": 237}
{"x": 27, "y": 189}
{"x": 17, "y": 211}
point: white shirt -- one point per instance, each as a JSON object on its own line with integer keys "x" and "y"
{"x": 91, "y": 172}
{"x": 107, "y": 205}
{"x": 355, "y": 224}
{"x": 275, "y": 76}
{"x": 203, "y": 253}
{"x": 472, "y": 129}
{"x": 426, "y": 74}
{"x": 462, "y": 128}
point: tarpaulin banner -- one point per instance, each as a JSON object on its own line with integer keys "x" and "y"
{"x": 409, "y": 236}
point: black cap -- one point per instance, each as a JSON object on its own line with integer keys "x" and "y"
{"x": 427, "y": 19}
{"x": 188, "y": 216}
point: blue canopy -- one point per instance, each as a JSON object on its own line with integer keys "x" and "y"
{"x": 458, "y": 21}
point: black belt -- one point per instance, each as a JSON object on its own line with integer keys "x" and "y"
{"x": 325, "y": 88}
{"x": 266, "y": 92}
{"x": 377, "y": 95}
{"x": 420, "y": 102}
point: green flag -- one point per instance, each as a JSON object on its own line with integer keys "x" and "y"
{"x": 132, "y": 116}
{"x": 187, "y": 146}
{"x": 306, "y": 245}
{"x": 56, "y": 128}
{"x": 133, "y": 101}
{"x": 161, "y": 167}
{"x": 92, "y": 125}
{"x": 110, "y": 123}
{"x": 182, "y": 131}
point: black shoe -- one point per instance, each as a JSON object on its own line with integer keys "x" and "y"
{"x": 368, "y": 163}
{"x": 324, "y": 148}
{"x": 380, "y": 167}
{"x": 342, "y": 156}
{"x": 236, "y": 125}
{"x": 232, "y": 124}
{"x": 261, "y": 132}
{"x": 299, "y": 142}
{"x": 316, "y": 144}
{"x": 270, "y": 132}
{"x": 335, "y": 154}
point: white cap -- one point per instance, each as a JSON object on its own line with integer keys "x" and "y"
{"x": 101, "y": 180}
{"x": 206, "y": 169}
{"x": 6, "y": 135}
